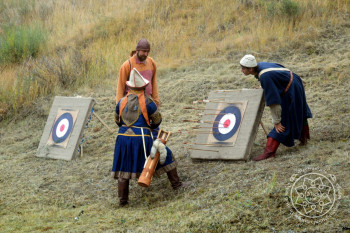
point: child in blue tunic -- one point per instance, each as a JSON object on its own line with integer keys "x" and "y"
{"x": 285, "y": 95}
{"x": 136, "y": 114}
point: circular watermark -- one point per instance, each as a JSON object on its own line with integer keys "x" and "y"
{"x": 313, "y": 195}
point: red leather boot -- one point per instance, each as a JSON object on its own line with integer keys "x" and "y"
{"x": 305, "y": 135}
{"x": 270, "y": 149}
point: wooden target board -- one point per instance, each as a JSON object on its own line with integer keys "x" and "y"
{"x": 64, "y": 127}
{"x": 229, "y": 125}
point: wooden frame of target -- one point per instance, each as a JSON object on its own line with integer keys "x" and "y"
{"x": 64, "y": 127}
{"x": 229, "y": 125}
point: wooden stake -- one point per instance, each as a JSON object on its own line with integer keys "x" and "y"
{"x": 262, "y": 125}
{"x": 109, "y": 129}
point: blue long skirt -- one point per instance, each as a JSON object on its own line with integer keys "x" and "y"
{"x": 129, "y": 158}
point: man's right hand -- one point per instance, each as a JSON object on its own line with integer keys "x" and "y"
{"x": 280, "y": 128}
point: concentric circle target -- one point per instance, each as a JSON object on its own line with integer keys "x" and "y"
{"x": 62, "y": 128}
{"x": 227, "y": 123}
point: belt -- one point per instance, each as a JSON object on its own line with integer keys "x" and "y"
{"x": 132, "y": 134}
{"x": 290, "y": 82}
{"x": 137, "y": 127}
{"x": 279, "y": 69}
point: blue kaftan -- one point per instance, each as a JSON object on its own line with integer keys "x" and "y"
{"x": 129, "y": 156}
{"x": 295, "y": 110}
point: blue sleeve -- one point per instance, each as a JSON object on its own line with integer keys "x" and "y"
{"x": 117, "y": 107}
{"x": 151, "y": 108}
{"x": 271, "y": 91}
{"x": 154, "y": 116}
{"x": 117, "y": 115}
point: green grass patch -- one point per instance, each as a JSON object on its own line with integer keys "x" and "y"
{"x": 284, "y": 8}
{"x": 20, "y": 42}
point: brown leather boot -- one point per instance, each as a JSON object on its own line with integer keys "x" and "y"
{"x": 175, "y": 180}
{"x": 123, "y": 191}
{"x": 270, "y": 149}
{"x": 305, "y": 135}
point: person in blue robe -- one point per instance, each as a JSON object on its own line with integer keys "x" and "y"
{"x": 136, "y": 115}
{"x": 285, "y": 95}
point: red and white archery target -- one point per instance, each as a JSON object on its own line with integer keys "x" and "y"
{"x": 227, "y": 123}
{"x": 63, "y": 135}
{"x": 62, "y": 128}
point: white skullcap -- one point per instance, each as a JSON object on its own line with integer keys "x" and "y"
{"x": 136, "y": 80}
{"x": 248, "y": 61}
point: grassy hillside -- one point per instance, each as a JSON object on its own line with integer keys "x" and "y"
{"x": 197, "y": 48}
{"x": 51, "y": 45}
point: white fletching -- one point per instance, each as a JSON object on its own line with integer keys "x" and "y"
{"x": 162, "y": 153}
{"x": 154, "y": 148}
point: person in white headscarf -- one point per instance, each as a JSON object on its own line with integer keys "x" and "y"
{"x": 285, "y": 95}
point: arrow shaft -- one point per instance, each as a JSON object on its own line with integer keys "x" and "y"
{"x": 210, "y": 144}
{"x": 203, "y": 149}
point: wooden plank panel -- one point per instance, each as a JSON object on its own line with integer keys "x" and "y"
{"x": 50, "y": 150}
{"x": 241, "y": 148}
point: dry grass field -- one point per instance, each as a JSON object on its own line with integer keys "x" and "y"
{"x": 197, "y": 50}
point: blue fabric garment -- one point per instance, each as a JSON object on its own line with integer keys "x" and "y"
{"x": 129, "y": 158}
{"x": 155, "y": 132}
{"x": 295, "y": 110}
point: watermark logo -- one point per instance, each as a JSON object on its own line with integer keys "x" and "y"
{"x": 313, "y": 195}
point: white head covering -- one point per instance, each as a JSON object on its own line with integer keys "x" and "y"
{"x": 248, "y": 61}
{"x": 136, "y": 80}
